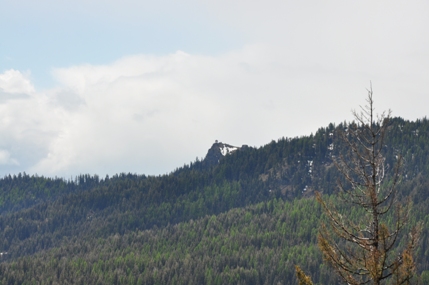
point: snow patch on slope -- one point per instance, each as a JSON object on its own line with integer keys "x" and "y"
{"x": 227, "y": 149}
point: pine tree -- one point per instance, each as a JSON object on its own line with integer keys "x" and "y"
{"x": 303, "y": 279}
{"x": 365, "y": 250}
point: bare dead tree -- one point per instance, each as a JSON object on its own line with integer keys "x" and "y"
{"x": 365, "y": 251}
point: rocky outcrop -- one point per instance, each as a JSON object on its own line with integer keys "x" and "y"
{"x": 217, "y": 152}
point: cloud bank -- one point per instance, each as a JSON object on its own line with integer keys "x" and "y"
{"x": 147, "y": 114}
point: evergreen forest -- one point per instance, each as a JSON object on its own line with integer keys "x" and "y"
{"x": 246, "y": 218}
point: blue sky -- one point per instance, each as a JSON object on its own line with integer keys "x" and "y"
{"x": 103, "y": 87}
{"x": 40, "y": 35}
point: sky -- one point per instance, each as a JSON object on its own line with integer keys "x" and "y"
{"x": 106, "y": 87}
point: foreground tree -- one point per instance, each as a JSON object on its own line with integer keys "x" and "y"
{"x": 365, "y": 249}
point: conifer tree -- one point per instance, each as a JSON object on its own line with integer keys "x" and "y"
{"x": 303, "y": 279}
{"x": 365, "y": 250}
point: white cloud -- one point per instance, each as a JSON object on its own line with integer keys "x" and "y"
{"x": 149, "y": 114}
{"x": 13, "y": 81}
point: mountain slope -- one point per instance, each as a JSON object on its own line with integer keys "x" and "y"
{"x": 55, "y": 214}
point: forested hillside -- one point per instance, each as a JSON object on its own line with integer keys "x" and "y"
{"x": 245, "y": 219}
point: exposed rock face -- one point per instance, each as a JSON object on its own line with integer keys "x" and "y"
{"x": 217, "y": 151}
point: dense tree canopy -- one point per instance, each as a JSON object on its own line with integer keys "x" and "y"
{"x": 246, "y": 220}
